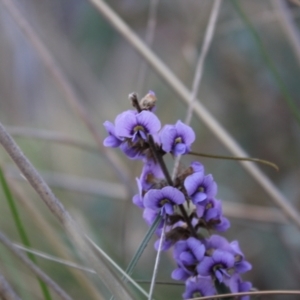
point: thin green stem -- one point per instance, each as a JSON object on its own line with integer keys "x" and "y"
{"x": 269, "y": 62}
{"x": 21, "y": 228}
{"x": 257, "y": 160}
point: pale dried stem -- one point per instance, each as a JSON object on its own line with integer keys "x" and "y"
{"x": 222, "y": 135}
{"x": 52, "y": 136}
{"x": 149, "y": 38}
{"x": 56, "y": 207}
{"x": 68, "y": 90}
{"x": 157, "y": 259}
{"x": 58, "y": 246}
{"x": 258, "y": 293}
{"x": 208, "y": 36}
{"x": 35, "y": 269}
{"x": 6, "y": 291}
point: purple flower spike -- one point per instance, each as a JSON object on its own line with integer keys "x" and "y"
{"x": 200, "y": 187}
{"x": 216, "y": 265}
{"x": 177, "y": 138}
{"x": 198, "y": 286}
{"x": 135, "y": 126}
{"x": 164, "y": 199}
{"x": 112, "y": 140}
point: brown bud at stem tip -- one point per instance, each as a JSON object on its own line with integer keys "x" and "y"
{"x": 134, "y": 101}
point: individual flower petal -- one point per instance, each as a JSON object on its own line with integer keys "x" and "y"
{"x": 185, "y": 132}
{"x": 112, "y": 140}
{"x": 136, "y": 126}
{"x": 167, "y": 137}
{"x": 197, "y": 167}
{"x": 163, "y": 199}
{"x": 198, "y": 286}
{"x": 180, "y": 274}
{"x": 138, "y": 199}
{"x": 192, "y": 182}
{"x": 196, "y": 247}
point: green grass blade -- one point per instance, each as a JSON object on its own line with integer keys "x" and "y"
{"x": 21, "y": 228}
{"x": 143, "y": 245}
{"x": 269, "y": 62}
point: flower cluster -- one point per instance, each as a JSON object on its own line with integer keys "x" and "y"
{"x": 187, "y": 204}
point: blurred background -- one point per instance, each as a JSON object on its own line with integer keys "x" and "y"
{"x": 239, "y": 87}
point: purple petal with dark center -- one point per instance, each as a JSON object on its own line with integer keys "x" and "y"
{"x": 196, "y": 247}
{"x": 152, "y": 199}
{"x": 199, "y": 284}
{"x": 173, "y": 195}
{"x": 223, "y": 257}
{"x": 186, "y": 132}
{"x": 192, "y": 182}
{"x": 124, "y": 124}
{"x": 205, "y": 266}
{"x": 167, "y": 137}
{"x": 149, "y": 121}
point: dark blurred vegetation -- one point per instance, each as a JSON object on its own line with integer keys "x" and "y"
{"x": 237, "y": 87}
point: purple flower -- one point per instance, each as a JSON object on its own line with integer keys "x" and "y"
{"x": 112, "y": 140}
{"x": 213, "y": 215}
{"x": 177, "y": 138}
{"x": 198, "y": 286}
{"x": 163, "y": 199}
{"x": 236, "y": 285}
{"x": 187, "y": 254}
{"x": 218, "y": 242}
{"x": 200, "y": 187}
{"x": 217, "y": 265}
{"x": 137, "y": 126}
{"x": 151, "y": 174}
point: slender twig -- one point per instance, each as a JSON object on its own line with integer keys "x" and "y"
{"x": 55, "y": 259}
{"x": 36, "y": 270}
{"x": 70, "y": 94}
{"x": 225, "y": 138}
{"x": 208, "y": 36}
{"x": 56, "y": 207}
{"x": 258, "y": 293}
{"x": 52, "y": 136}
{"x": 76, "y": 183}
{"x": 149, "y": 37}
{"x": 6, "y": 291}
{"x": 155, "y": 269}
